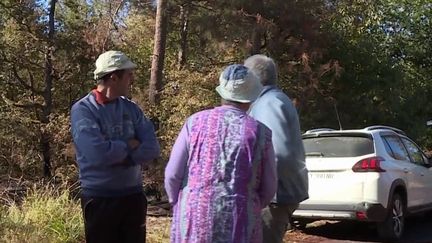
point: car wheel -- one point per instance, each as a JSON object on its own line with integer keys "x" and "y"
{"x": 394, "y": 224}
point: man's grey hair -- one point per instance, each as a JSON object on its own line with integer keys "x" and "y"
{"x": 264, "y": 67}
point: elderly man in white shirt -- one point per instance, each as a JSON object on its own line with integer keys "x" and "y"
{"x": 276, "y": 111}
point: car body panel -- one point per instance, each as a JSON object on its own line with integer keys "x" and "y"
{"x": 337, "y": 192}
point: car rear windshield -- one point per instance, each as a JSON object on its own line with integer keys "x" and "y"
{"x": 338, "y": 146}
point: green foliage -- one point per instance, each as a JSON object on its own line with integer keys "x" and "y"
{"x": 370, "y": 60}
{"x": 22, "y": 47}
{"x": 185, "y": 92}
{"x": 62, "y": 149}
{"x": 138, "y": 43}
{"x": 18, "y": 139}
{"x": 382, "y": 48}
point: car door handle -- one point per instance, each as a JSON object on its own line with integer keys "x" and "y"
{"x": 405, "y": 170}
{"x": 421, "y": 174}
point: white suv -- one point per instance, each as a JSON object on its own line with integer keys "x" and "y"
{"x": 374, "y": 174}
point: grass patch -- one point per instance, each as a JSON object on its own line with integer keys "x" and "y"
{"x": 44, "y": 215}
{"x": 158, "y": 229}
{"x": 50, "y": 215}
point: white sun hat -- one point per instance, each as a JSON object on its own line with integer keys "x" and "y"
{"x": 111, "y": 61}
{"x": 238, "y": 83}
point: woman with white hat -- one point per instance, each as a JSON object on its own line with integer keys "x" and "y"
{"x": 221, "y": 172}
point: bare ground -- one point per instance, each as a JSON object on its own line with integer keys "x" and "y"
{"x": 418, "y": 230}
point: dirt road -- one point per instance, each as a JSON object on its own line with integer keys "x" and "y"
{"x": 418, "y": 229}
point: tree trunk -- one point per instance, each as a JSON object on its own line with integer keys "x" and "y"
{"x": 158, "y": 52}
{"x": 47, "y": 93}
{"x": 258, "y": 30}
{"x": 256, "y": 38}
{"x": 184, "y": 20}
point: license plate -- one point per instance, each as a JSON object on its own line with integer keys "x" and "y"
{"x": 323, "y": 176}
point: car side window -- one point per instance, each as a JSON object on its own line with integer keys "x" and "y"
{"x": 387, "y": 148}
{"x": 397, "y": 147}
{"x": 414, "y": 152}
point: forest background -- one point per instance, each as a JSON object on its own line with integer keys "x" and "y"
{"x": 367, "y": 61}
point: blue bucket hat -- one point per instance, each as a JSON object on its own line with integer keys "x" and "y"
{"x": 238, "y": 83}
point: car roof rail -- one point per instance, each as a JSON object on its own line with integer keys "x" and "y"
{"x": 396, "y": 130}
{"x": 319, "y": 130}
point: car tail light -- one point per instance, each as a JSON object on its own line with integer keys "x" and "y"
{"x": 361, "y": 215}
{"x": 372, "y": 164}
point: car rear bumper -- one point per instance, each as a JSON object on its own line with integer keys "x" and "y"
{"x": 374, "y": 212}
